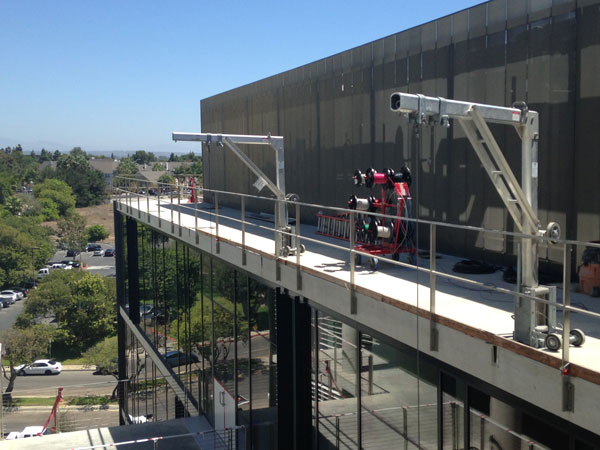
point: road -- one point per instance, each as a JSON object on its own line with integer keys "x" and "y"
{"x": 74, "y": 382}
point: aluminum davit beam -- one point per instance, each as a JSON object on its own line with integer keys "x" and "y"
{"x": 521, "y": 202}
{"x": 231, "y": 141}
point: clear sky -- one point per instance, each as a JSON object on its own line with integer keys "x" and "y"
{"x": 121, "y": 75}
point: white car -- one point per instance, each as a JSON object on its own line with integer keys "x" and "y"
{"x": 10, "y": 291}
{"x": 12, "y": 294}
{"x": 99, "y": 252}
{"x": 40, "y": 367}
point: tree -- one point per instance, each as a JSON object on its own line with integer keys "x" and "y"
{"x": 96, "y": 233}
{"x": 104, "y": 356}
{"x": 87, "y": 183}
{"x": 141, "y": 157}
{"x": 54, "y": 195}
{"x": 166, "y": 178}
{"x": 127, "y": 167}
{"x": 71, "y": 232}
{"x": 19, "y": 236}
{"x": 21, "y": 346}
{"x": 82, "y": 304}
{"x": 158, "y": 167}
{"x": 14, "y": 205}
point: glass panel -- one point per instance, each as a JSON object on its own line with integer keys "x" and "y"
{"x": 336, "y": 383}
{"x": 397, "y": 409}
{"x": 263, "y": 369}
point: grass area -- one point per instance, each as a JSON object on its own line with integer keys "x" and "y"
{"x": 33, "y": 401}
{"x": 92, "y": 400}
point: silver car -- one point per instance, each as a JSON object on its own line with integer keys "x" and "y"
{"x": 12, "y": 294}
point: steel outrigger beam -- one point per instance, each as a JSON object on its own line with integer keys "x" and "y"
{"x": 521, "y": 202}
{"x": 231, "y": 141}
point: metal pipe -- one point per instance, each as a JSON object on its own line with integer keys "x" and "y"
{"x": 566, "y": 302}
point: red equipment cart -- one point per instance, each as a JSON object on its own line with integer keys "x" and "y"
{"x": 377, "y": 236}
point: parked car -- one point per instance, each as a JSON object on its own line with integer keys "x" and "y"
{"x": 72, "y": 253}
{"x": 145, "y": 309}
{"x": 98, "y": 252}
{"x": 43, "y": 272}
{"x": 109, "y": 252}
{"x": 40, "y": 367}
{"x": 22, "y": 290}
{"x": 5, "y": 301}
{"x": 76, "y": 265}
{"x": 175, "y": 358}
{"x": 15, "y": 294}
{"x": 57, "y": 266}
{"x": 92, "y": 247}
{"x": 10, "y": 294}
{"x": 30, "y": 431}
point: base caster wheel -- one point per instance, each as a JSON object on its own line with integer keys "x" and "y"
{"x": 373, "y": 263}
{"x": 285, "y": 251}
{"x": 553, "y": 342}
{"x": 577, "y": 337}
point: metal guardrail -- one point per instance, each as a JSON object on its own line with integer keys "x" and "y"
{"x": 135, "y": 192}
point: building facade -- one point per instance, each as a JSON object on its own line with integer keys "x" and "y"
{"x": 335, "y": 116}
{"x": 267, "y": 368}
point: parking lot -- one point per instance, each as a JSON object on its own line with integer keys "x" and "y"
{"x": 101, "y": 265}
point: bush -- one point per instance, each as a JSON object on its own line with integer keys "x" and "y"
{"x": 96, "y": 233}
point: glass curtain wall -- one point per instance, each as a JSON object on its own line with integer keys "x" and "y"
{"x": 368, "y": 394}
{"x": 213, "y": 326}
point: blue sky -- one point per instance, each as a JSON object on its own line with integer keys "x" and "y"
{"x": 121, "y": 75}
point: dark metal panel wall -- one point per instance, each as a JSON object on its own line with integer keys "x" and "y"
{"x": 334, "y": 115}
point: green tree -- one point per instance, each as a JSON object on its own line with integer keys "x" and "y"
{"x": 71, "y": 232}
{"x": 141, "y": 157}
{"x": 87, "y": 183}
{"x": 127, "y": 167}
{"x": 166, "y": 178}
{"x": 55, "y": 194}
{"x": 15, "y": 205}
{"x": 82, "y": 304}
{"x": 158, "y": 167}
{"x": 104, "y": 357}
{"x": 21, "y": 346}
{"x": 96, "y": 233}
{"x": 24, "y": 246}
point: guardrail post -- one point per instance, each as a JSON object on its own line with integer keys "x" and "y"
{"x": 482, "y": 433}
{"x": 433, "y": 332}
{"x": 297, "y": 237}
{"x": 353, "y": 300}
{"x": 217, "y": 244}
{"x": 405, "y": 426}
{"x": 138, "y": 205}
{"x": 148, "y": 200}
{"x": 171, "y": 195}
{"x": 567, "y": 386}
{"x": 243, "y": 211}
{"x": 179, "y": 210}
{"x": 196, "y": 216}
{"x": 159, "y": 192}
{"x": 370, "y": 374}
{"x": 337, "y": 432}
